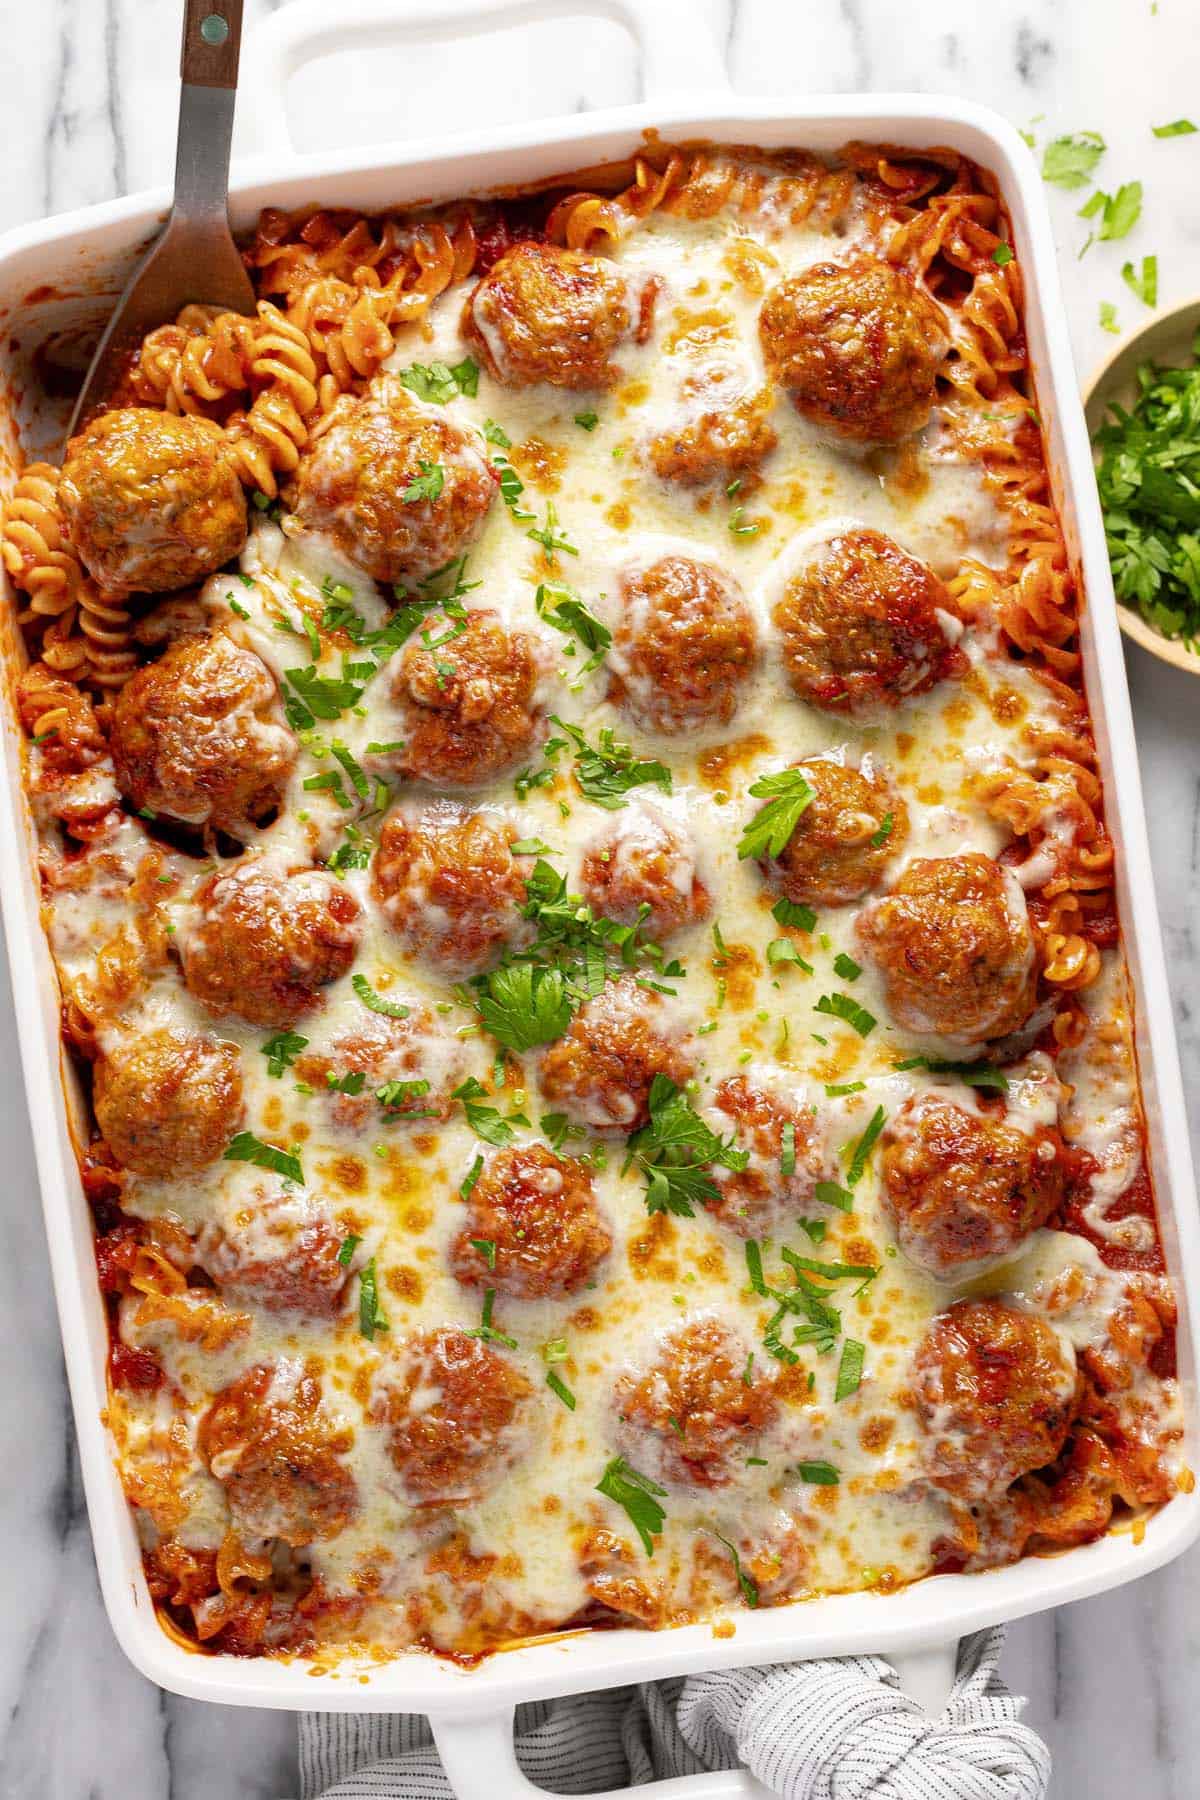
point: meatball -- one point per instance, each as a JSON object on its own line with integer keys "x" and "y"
{"x": 858, "y": 347}
{"x": 955, "y": 945}
{"x": 995, "y": 1390}
{"x": 843, "y": 839}
{"x": 152, "y": 501}
{"x": 865, "y": 626}
{"x": 279, "y": 1459}
{"x": 279, "y": 1252}
{"x": 450, "y": 887}
{"x": 167, "y": 1102}
{"x": 265, "y": 941}
{"x": 199, "y": 735}
{"x": 601, "y": 1072}
{"x": 470, "y": 704}
{"x": 539, "y": 1213}
{"x": 452, "y": 1406}
{"x": 684, "y": 644}
{"x": 960, "y": 1185}
{"x": 724, "y": 442}
{"x": 398, "y": 487}
{"x": 416, "y": 1062}
{"x": 645, "y": 860}
{"x": 760, "y": 1199}
{"x": 692, "y": 1417}
{"x": 545, "y": 314}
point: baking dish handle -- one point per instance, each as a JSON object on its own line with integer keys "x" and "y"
{"x": 480, "y": 1758}
{"x": 678, "y": 52}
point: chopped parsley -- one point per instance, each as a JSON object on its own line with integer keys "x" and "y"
{"x": 438, "y": 383}
{"x": 980, "y": 1075}
{"x": 818, "y": 1474}
{"x": 352, "y": 1083}
{"x": 673, "y": 1150}
{"x": 850, "y": 1368}
{"x": 606, "y": 772}
{"x": 819, "y": 1323}
{"x": 562, "y": 608}
{"x": 247, "y": 1148}
{"x": 282, "y": 1050}
{"x": 1108, "y": 317}
{"x": 788, "y": 796}
{"x": 370, "y": 1318}
{"x": 391, "y": 1009}
{"x": 466, "y": 1186}
{"x": 835, "y": 1089}
{"x": 1177, "y": 128}
{"x": 846, "y": 1008}
{"x": 396, "y": 1099}
{"x": 787, "y": 1150}
{"x": 587, "y": 421}
{"x": 846, "y": 967}
{"x": 796, "y": 915}
{"x": 549, "y": 535}
{"x": 879, "y": 838}
{"x": 1145, "y": 285}
{"x": 485, "y": 1329}
{"x": 524, "y": 1005}
{"x": 782, "y": 950}
{"x": 486, "y": 1121}
{"x": 1115, "y": 214}
{"x": 638, "y": 1495}
{"x": 1002, "y": 255}
{"x": 864, "y": 1147}
{"x": 487, "y": 1249}
{"x": 427, "y": 485}
{"x": 557, "y": 1385}
{"x": 746, "y": 1582}
{"x": 1069, "y": 161}
{"x": 830, "y": 1194}
{"x": 347, "y": 1248}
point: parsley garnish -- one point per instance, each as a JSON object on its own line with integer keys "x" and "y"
{"x": 391, "y": 1009}
{"x": 849, "y": 1375}
{"x": 396, "y": 1098}
{"x": 846, "y": 967}
{"x": 485, "y": 1329}
{"x": 879, "y": 838}
{"x": 466, "y": 1186}
{"x": 745, "y": 1582}
{"x": 864, "y": 1147}
{"x": 845, "y": 1007}
{"x": 1002, "y": 255}
{"x": 438, "y": 383}
{"x": 797, "y": 916}
{"x": 830, "y": 1194}
{"x": 550, "y": 537}
{"x": 607, "y": 772}
{"x": 672, "y": 1152}
{"x": 525, "y": 1005}
{"x": 246, "y": 1148}
{"x": 561, "y": 607}
{"x": 1069, "y": 161}
{"x": 487, "y": 1249}
{"x": 370, "y": 1318}
{"x": 485, "y": 1121}
{"x": 558, "y": 1386}
{"x": 346, "y": 1250}
{"x": 1117, "y": 213}
{"x": 782, "y": 950}
{"x": 1145, "y": 285}
{"x": 818, "y": 1474}
{"x": 788, "y": 796}
{"x": 427, "y": 485}
{"x": 352, "y": 1083}
{"x": 787, "y": 1150}
{"x": 587, "y": 421}
{"x": 638, "y": 1495}
{"x": 1108, "y": 317}
{"x": 282, "y": 1050}
{"x": 981, "y": 1075}
{"x": 836, "y": 1089}
{"x": 1177, "y": 128}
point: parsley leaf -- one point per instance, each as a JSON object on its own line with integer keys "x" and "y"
{"x": 437, "y": 383}
{"x": 673, "y": 1148}
{"x": 245, "y": 1147}
{"x": 427, "y": 485}
{"x": 864, "y": 1147}
{"x": 561, "y": 607}
{"x": 391, "y": 1009}
{"x": 485, "y": 1121}
{"x": 346, "y": 1250}
{"x": 746, "y": 1582}
{"x": 550, "y": 537}
{"x": 1108, "y": 317}
{"x": 818, "y": 1474}
{"x": 587, "y": 421}
{"x": 282, "y": 1050}
{"x": 557, "y": 1385}
{"x": 638, "y": 1495}
{"x": 370, "y": 1318}
{"x": 1177, "y": 128}
{"x": 798, "y": 916}
{"x": 466, "y": 1186}
{"x": 607, "y": 772}
{"x": 1145, "y": 285}
{"x": 879, "y": 838}
{"x": 849, "y": 1375}
{"x": 485, "y": 1329}
{"x": 788, "y": 796}
{"x": 524, "y": 1005}
{"x": 1068, "y": 161}
{"x": 846, "y": 967}
{"x": 846, "y": 1008}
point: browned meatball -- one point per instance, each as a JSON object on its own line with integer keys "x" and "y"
{"x": 601, "y": 1072}
{"x": 685, "y": 643}
{"x": 692, "y": 1417}
{"x": 545, "y": 314}
{"x": 860, "y": 627}
{"x": 995, "y": 1390}
{"x": 452, "y": 1407}
{"x": 278, "y": 1457}
{"x": 725, "y": 441}
{"x": 471, "y": 706}
{"x": 959, "y": 1185}
{"x": 416, "y": 1062}
{"x": 644, "y": 859}
{"x": 955, "y": 945}
{"x": 280, "y": 1252}
{"x": 398, "y": 487}
{"x": 199, "y": 735}
{"x": 264, "y": 942}
{"x": 450, "y": 887}
{"x": 167, "y": 1102}
{"x": 538, "y": 1211}
{"x": 843, "y": 839}
{"x": 858, "y": 348}
{"x": 152, "y": 501}
{"x": 758, "y": 1200}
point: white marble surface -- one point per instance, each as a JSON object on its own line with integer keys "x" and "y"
{"x": 89, "y": 112}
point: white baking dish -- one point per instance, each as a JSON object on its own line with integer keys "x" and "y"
{"x": 53, "y": 278}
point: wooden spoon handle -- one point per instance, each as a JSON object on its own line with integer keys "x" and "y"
{"x": 212, "y": 37}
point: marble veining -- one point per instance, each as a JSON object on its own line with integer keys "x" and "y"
{"x": 90, "y": 89}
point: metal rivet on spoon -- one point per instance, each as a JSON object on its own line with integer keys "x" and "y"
{"x": 195, "y": 259}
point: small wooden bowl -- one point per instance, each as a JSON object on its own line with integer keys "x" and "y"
{"x": 1165, "y": 338}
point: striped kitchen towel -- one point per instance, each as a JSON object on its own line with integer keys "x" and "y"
{"x": 832, "y": 1729}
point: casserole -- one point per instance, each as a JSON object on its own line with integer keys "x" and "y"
{"x": 55, "y": 258}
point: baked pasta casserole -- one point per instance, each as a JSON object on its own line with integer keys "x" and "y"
{"x": 571, "y": 840}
